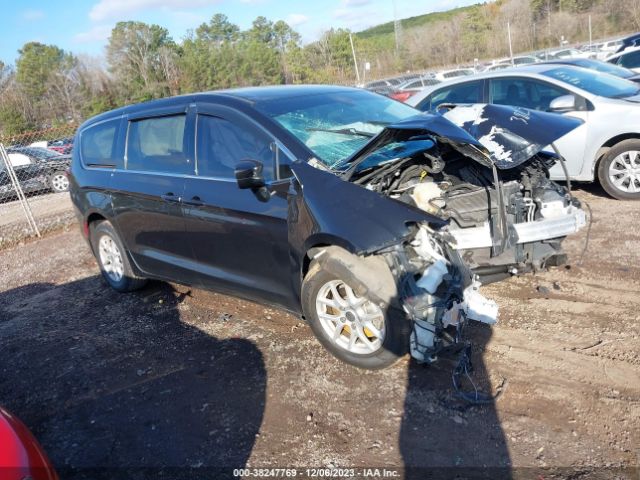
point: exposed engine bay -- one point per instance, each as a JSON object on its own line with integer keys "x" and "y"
{"x": 483, "y": 169}
{"x": 444, "y": 183}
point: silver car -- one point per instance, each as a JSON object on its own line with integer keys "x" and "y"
{"x": 606, "y": 147}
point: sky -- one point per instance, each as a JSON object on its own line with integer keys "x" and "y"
{"x": 83, "y": 26}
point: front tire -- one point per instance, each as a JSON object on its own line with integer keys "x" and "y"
{"x": 113, "y": 259}
{"x": 59, "y": 182}
{"x": 619, "y": 170}
{"x": 354, "y": 329}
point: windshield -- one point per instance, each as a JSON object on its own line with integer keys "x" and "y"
{"x": 596, "y": 83}
{"x": 335, "y": 125}
{"x": 605, "y": 67}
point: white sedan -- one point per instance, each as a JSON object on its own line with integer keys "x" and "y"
{"x": 606, "y": 147}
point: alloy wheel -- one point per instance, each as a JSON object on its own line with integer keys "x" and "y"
{"x": 353, "y": 323}
{"x": 110, "y": 258}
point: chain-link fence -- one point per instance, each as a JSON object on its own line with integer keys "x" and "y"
{"x": 33, "y": 183}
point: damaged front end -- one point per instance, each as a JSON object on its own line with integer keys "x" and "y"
{"x": 483, "y": 169}
{"x": 423, "y": 283}
{"x": 444, "y": 203}
{"x": 438, "y": 293}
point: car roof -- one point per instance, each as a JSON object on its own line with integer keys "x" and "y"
{"x": 631, "y": 37}
{"x": 531, "y": 70}
{"x": 524, "y": 70}
{"x": 569, "y": 61}
{"x": 247, "y": 96}
{"x": 623, "y": 52}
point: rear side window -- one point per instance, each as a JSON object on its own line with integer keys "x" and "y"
{"x": 524, "y": 93}
{"x": 221, "y": 144}
{"x": 470, "y": 92}
{"x": 98, "y": 145}
{"x": 158, "y": 145}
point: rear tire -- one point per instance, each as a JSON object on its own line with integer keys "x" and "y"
{"x": 113, "y": 258}
{"x": 368, "y": 351}
{"x": 619, "y": 170}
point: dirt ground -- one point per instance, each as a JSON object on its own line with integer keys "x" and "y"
{"x": 173, "y": 381}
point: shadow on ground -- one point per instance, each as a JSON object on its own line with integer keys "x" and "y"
{"x": 443, "y": 436}
{"x": 116, "y": 386}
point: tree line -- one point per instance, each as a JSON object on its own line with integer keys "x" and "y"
{"x": 48, "y": 86}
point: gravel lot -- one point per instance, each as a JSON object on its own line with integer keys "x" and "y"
{"x": 51, "y": 211}
{"x": 172, "y": 378}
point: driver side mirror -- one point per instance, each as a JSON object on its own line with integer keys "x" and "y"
{"x": 563, "y": 103}
{"x": 249, "y": 174}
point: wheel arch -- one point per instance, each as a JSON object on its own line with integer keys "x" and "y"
{"x": 602, "y": 151}
{"x": 315, "y": 243}
{"x": 91, "y": 218}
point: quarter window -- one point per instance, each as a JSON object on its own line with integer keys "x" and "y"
{"x": 221, "y": 144}
{"x": 98, "y": 145}
{"x": 158, "y": 145}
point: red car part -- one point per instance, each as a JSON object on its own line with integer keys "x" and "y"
{"x": 402, "y": 96}
{"x": 21, "y": 456}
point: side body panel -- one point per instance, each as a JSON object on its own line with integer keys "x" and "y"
{"x": 148, "y": 215}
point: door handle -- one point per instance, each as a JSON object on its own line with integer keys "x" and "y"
{"x": 195, "y": 202}
{"x": 170, "y": 197}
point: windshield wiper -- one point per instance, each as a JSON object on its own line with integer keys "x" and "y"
{"x": 344, "y": 131}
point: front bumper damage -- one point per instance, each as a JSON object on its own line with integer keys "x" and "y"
{"x": 439, "y": 300}
{"x": 565, "y": 223}
{"x": 422, "y": 281}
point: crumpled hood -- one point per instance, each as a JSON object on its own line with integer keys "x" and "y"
{"x": 494, "y": 134}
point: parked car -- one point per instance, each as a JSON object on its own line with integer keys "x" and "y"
{"x": 449, "y": 74}
{"x": 62, "y": 145}
{"x": 629, "y": 58}
{"x": 606, "y": 147}
{"x": 330, "y": 202}
{"x": 497, "y": 66}
{"x": 608, "y": 48}
{"x": 521, "y": 60}
{"x": 405, "y": 90}
{"x": 568, "y": 53}
{"x": 383, "y": 87}
{"x": 49, "y": 163}
{"x": 508, "y": 63}
{"x": 21, "y": 456}
{"x": 594, "y": 48}
{"x": 628, "y": 42}
{"x": 35, "y": 175}
{"x": 599, "y": 66}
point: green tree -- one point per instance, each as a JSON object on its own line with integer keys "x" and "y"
{"x": 218, "y": 30}
{"x": 210, "y": 55}
{"x": 37, "y": 64}
{"x": 476, "y": 28}
{"x": 140, "y": 57}
{"x": 13, "y": 120}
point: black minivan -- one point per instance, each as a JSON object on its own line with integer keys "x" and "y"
{"x": 372, "y": 220}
